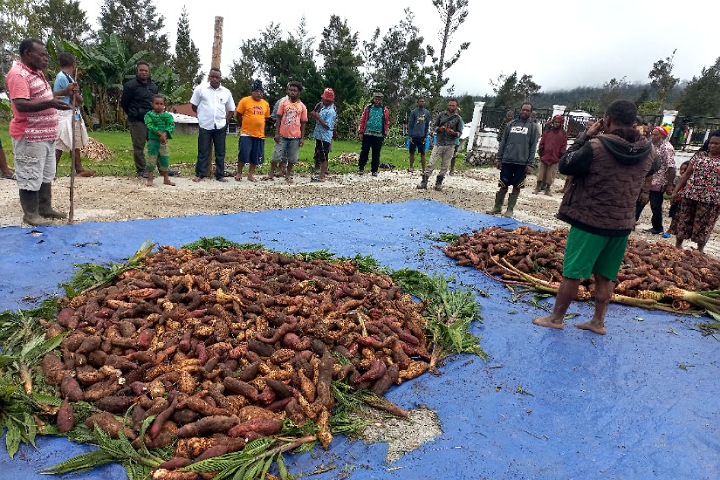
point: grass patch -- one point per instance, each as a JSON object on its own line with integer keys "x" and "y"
{"x": 183, "y": 154}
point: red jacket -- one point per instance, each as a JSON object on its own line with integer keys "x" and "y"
{"x": 366, "y": 114}
{"x": 552, "y": 146}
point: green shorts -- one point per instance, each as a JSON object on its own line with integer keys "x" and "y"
{"x": 587, "y": 253}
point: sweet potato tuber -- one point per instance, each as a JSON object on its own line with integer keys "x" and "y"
{"x": 114, "y": 403}
{"x": 70, "y": 388}
{"x": 53, "y": 369}
{"x": 108, "y": 424}
{"x": 211, "y": 424}
{"x": 234, "y": 385}
{"x": 256, "y": 428}
{"x": 377, "y": 370}
{"x": 65, "y": 416}
{"x": 175, "y": 463}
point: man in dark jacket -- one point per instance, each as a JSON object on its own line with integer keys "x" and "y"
{"x": 608, "y": 171}
{"x": 136, "y": 101}
{"x": 514, "y": 158}
{"x": 448, "y": 128}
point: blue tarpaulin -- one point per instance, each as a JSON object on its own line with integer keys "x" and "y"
{"x": 641, "y": 402}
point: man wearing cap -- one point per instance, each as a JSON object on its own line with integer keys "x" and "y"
{"x": 252, "y": 112}
{"x": 325, "y": 116}
{"x": 553, "y": 145}
{"x": 214, "y": 106}
{"x": 374, "y": 127}
{"x": 661, "y": 182}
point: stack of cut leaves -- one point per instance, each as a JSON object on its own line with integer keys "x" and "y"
{"x": 219, "y": 358}
{"x": 653, "y": 275}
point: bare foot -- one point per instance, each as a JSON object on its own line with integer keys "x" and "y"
{"x": 197, "y": 179}
{"x": 289, "y": 180}
{"x": 599, "y": 329}
{"x": 547, "y": 321}
{"x": 238, "y": 178}
{"x": 168, "y": 182}
{"x": 222, "y": 179}
{"x": 150, "y": 183}
{"x": 251, "y": 178}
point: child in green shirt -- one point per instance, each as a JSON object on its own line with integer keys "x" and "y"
{"x": 160, "y": 125}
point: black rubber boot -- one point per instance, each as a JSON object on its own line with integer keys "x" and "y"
{"x": 512, "y": 200}
{"x": 29, "y": 201}
{"x": 45, "y": 203}
{"x": 423, "y": 183}
{"x": 438, "y": 183}
{"x": 499, "y": 200}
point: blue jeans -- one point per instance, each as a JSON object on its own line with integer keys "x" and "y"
{"x": 216, "y": 137}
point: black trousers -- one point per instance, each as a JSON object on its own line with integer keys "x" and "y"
{"x": 656, "y": 201}
{"x": 374, "y": 143}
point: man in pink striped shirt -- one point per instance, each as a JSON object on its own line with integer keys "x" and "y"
{"x": 34, "y": 129}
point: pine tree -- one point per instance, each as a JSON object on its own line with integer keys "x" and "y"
{"x": 341, "y": 62}
{"x": 186, "y": 61}
{"x": 139, "y": 26}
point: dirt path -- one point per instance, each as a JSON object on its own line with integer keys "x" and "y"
{"x": 109, "y": 199}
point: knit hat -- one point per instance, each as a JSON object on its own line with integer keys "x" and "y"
{"x": 257, "y": 85}
{"x": 662, "y": 131}
{"x": 328, "y": 94}
{"x": 560, "y": 117}
{"x": 378, "y": 94}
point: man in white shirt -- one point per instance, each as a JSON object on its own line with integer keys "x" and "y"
{"x": 214, "y": 106}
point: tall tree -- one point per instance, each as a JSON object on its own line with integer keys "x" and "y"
{"x": 453, "y": 14}
{"x": 62, "y": 19}
{"x": 396, "y": 63}
{"x": 186, "y": 61}
{"x": 340, "y": 70}
{"x": 661, "y": 78}
{"x": 139, "y": 26}
{"x": 702, "y": 94}
{"x": 510, "y": 92}
{"x": 276, "y": 60}
{"x": 613, "y": 90}
{"x": 527, "y": 88}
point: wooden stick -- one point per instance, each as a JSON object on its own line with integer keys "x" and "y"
{"x": 71, "y": 214}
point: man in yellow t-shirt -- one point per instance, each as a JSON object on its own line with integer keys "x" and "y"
{"x": 252, "y": 112}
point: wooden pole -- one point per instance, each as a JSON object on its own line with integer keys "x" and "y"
{"x": 217, "y": 43}
{"x": 215, "y": 63}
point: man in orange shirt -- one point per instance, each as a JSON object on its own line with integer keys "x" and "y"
{"x": 252, "y": 112}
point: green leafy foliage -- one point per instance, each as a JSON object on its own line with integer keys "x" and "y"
{"x": 449, "y": 312}
{"x": 88, "y": 276}
{"x": 16, "y": 415}
{"x": 208, "y": 243}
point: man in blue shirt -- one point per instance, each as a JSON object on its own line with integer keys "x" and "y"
{"x": 325, "y": 116}
{"x": 418, "y": 126}
{"x": 72, "y": 134}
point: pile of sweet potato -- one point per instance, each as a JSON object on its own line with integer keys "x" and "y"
{"x": 222, "y": 346}
{"x": 646, "y": 266}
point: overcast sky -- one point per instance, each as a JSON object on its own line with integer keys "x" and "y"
{"x": 563, "y": 44}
